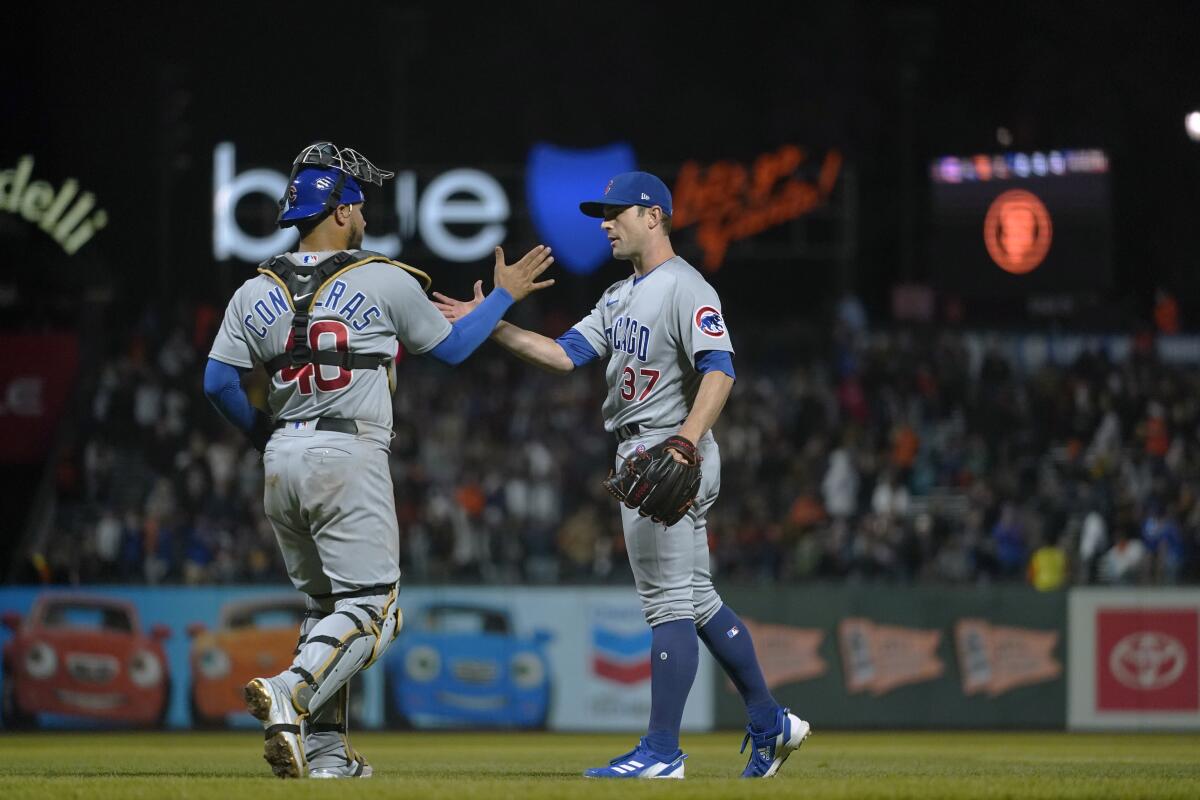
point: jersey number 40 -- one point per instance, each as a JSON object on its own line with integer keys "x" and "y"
{"x": 305, "y": 376}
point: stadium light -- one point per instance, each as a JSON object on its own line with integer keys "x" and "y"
{"x": 1191, "y": 124}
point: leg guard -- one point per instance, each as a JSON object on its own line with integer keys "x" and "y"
{"x": 341, "y": 644}
{"x": 327, "y": 743}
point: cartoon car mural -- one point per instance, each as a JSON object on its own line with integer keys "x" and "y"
{"x": 83, "y": 656}
{"x": 462, "y": 665}
{"x": 253, "y": 637}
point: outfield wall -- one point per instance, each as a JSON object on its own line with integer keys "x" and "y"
{"x": 578, "y": 658}
{"x": 521, "y": 657}
{"x": 875, "y": 656}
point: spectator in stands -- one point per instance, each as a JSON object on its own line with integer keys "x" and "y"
{"x": 1048, "y": 566}
{"x": 898, "y": 457}
{"x": 1125, "y": 562}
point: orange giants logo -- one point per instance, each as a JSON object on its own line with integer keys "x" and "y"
{"x": 1017, "y": 231}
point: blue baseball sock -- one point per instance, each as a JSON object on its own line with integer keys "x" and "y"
{"x": 730, "y": 643}
{"x": 674, "y": 656}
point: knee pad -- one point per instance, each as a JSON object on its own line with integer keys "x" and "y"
{"x": 342, "y": 644}
{"x": 392, "y": 621}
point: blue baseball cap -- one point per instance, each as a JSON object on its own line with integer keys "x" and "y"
{"x": 309, "y": 194}
{"x": 631, "y": 189}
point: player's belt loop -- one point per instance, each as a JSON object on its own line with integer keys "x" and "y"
{"x": 624, "y": 432}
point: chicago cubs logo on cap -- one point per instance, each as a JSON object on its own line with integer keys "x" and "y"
{"x": 709, "y": 321}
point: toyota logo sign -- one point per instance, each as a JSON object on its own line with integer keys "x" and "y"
{"x": 1147, "y": 660}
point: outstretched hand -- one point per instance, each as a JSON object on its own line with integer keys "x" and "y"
{"x": 454, "y": 310}
{"x": 520, "y": 279}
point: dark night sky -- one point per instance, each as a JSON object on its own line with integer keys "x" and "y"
{"x": 95, "y": 93}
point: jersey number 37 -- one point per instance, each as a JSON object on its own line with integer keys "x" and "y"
{"x": 320, "y": 333}
{"x": 629, "y": 381}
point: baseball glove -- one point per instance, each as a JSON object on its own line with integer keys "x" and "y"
{"x": 656, "y": 484}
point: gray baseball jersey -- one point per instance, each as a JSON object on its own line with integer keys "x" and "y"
{"x": 329, "y": 495}
{"x": 652, "y": 328}
{"x": 364, "y": 310}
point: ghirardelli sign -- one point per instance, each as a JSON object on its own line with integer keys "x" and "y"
{"x": 729, "y": 201}
{"x": 994, "y": 659}
{"x": 880, "y": 658}
{"x": 70, "y": 218}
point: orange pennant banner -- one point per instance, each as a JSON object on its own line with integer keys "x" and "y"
{"x": 880, "y": 658}
{"x": 994, "y": 659}
{"x": 787, "y": 654}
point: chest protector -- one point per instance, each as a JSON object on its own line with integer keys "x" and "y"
{"x": 305, "y": 283}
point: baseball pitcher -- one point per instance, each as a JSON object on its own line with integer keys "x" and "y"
{"x": 670, "y": 370}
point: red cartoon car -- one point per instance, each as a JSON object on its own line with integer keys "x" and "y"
{"x": 83, "y": 656}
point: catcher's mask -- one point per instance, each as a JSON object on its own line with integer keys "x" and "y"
{"x": 325, "y": 176}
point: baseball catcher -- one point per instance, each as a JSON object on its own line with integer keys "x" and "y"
{"x": 325, "y": 321}
{"x": 661, "y": 483}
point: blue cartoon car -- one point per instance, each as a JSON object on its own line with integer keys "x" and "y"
{"x": 460, "y": 666}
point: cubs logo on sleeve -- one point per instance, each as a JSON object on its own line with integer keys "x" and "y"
{"x": 709, "y": 321}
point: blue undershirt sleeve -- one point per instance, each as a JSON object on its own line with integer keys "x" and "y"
{"x": 577, "y": 347}
{"x": 715, "y": 361}
{"x": 473, "y": 330}
{"x": 223, "y": 387}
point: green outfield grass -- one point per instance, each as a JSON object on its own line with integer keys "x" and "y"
{"x": 228, "y": 766}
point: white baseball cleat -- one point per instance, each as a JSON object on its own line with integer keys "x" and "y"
{"x": 771, "y": 748}
{"x": 641, "y": 762}
{"x": 271, "y": 706}
{"x": 357, "y": 768}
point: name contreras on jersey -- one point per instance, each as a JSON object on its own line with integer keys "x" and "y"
{"x": 627, "y": 335}
{"x": 269, "y": 310}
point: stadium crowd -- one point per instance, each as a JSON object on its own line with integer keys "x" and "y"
{"x": 902, "y": 456}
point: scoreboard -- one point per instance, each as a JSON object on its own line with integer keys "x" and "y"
{"x": 1010, "y": 224}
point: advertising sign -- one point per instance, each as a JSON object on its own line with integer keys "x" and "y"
{"x": 1020, "y": 222}
{"x": 468, "y": 657}
{"x": 1134, "y": 659}
{"x": 67, "y": 216}
{"x": 37, "y": 371}
{"x": 459, "y": 213}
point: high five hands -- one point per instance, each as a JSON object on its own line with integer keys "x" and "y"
{"x": 519, "y": 279}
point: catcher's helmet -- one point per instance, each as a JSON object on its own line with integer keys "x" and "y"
{"x": 325, "y": 176}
